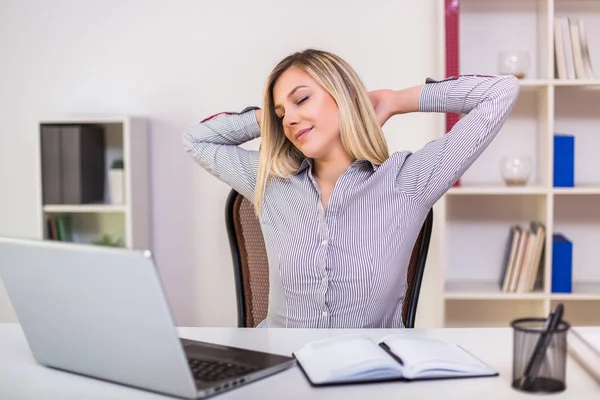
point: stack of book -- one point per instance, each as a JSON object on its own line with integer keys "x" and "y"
{"x": 58, "y": 227}
{"x": 571, "y": 49}
{"x": 521, "y": 267}
{"x": 73, "y": 163}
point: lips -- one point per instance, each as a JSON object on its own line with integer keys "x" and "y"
{"x": 302, "y": 133}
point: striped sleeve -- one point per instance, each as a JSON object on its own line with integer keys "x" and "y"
{"x": 214, "y": 145}
{"x": 487, "y": 101}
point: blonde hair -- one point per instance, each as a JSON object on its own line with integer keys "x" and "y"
{"x": 360, "y": 132}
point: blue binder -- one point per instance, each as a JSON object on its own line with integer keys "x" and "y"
{"x": 564, "y": 160}
{"x": 562, "y": 264}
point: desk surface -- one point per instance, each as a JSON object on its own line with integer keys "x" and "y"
{"x": 22, "y": 378}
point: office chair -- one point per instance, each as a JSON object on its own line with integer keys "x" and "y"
{"x": 251, "y": 267}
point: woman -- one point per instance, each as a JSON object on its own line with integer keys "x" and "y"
{"x": 339, "y": 214}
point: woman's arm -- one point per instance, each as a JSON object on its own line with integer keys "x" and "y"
{"x": 486, "y": 100}
{"x": 214, "y": 144}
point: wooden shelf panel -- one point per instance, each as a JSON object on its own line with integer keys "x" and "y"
{"x": 580, "y": 190}
{"x": 84, "y": 208}
{"x": 484, "y": 290}
{"x": 575, "y": 82}
{"x": 498, "y": 190}
{"x": 489, "y": 290}
{"x": 581, "y": 291}
{"x": 522, "y": 190}
{"x": 114, "y": 119}
{"x": 539, "y": 83}
{"x": 535, "y": 83}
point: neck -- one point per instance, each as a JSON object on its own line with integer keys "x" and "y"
{"x": 330, "y": 168}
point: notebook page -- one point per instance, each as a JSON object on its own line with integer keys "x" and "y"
{"x": 593, "y": 339}
{"x": 346, "y": 357}
{"x": 584, "y": 346}
{"x": 428, "y": 357}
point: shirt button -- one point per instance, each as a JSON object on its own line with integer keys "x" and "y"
{"x": 324, "y": 313}
{"x": 324, "y": 242}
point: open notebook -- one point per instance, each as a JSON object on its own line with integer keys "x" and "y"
{"x": 584, "y": 347}
{"x": 355, "y": 358}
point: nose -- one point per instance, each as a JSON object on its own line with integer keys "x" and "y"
{"x": 291, "y": 118}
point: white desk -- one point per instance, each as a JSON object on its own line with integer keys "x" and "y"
{"x": 22, "y": 378}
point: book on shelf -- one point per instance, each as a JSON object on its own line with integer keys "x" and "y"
{"x": 564, "y": 160}
{"x": 523, "y": 258}
{"x": 59, "y": 228}
{"x": 73, "y": 163}
{"x": 355, "y": 358}
{"x": 562, "y": 264}
{"x": 571, "y": 49}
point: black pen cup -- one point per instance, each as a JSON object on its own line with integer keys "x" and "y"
{"x": 548, "y": 374}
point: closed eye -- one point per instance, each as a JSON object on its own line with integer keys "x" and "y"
{"x": 302, "y": 99}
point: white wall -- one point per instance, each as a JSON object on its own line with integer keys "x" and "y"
{"x": 176, "y": 62}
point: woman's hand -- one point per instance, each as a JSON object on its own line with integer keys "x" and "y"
{"x": 383, "y": 103}
{"x": 388, "y": 103}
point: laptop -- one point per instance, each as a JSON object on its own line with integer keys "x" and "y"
{"x": 101, "y": 312}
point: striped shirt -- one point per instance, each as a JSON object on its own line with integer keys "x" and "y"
{"x": 346, "y": 267}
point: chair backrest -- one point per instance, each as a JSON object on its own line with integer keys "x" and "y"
{"x": 250, "y": 263}
{"x": 251, "y": 266}
{"x": 416, "y": 269}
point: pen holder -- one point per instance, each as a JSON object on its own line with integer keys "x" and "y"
{"x": 547, "y": 372}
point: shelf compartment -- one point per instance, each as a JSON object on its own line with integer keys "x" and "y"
{"x": 90, "y": 227}
{"x": 524, "y": 134}
{"x": 490, "y": 313}
{"x": 477, "y": 229}
{"x": 580, "y": 313}
{"x": 114, "y": 144}
{"x": 503, "y": 25}
{"x": 577, "y": 113}
{"x": 578, "y": 218}
{"x": 589, "y": 12}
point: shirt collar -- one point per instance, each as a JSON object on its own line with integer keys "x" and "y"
{"x": 309, "y": 163}
{"x": 306, "y": 163}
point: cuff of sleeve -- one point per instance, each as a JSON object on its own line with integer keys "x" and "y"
{"x": 249, "y": 125}
{"x": 437, "y": 96}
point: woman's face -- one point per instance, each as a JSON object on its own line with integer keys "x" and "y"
{"x": 308, "y": 113}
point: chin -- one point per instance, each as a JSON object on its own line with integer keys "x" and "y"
{"x": 313, "y": 153}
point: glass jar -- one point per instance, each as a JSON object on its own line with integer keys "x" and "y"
{"x": 515, "y": 170}
{"x": 514, "y": 62}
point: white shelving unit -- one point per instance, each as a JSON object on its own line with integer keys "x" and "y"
{"x": 475, "y": 217}
{"x": 126, "y": 138}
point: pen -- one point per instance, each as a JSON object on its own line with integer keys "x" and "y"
{"x": 538, "y": 354}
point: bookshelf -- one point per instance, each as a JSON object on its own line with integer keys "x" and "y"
{"x": 475, "y": 217}
{"x": 121, "y": 221}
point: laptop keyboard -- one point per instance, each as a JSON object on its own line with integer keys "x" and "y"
{"x": 213, "y": 371}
